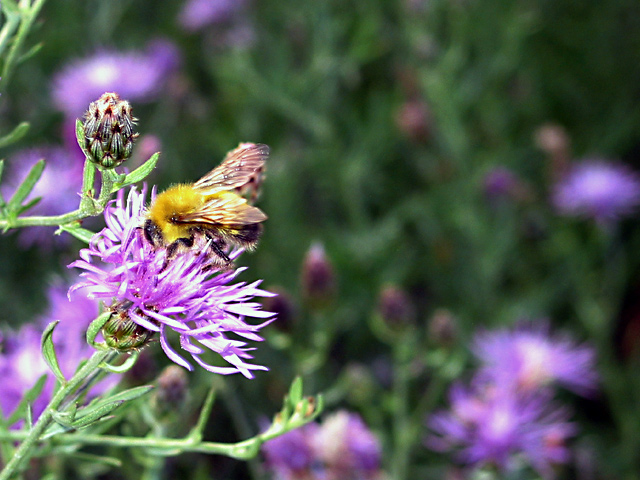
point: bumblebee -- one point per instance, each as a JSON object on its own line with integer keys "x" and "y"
{"x": 213, "y": 212}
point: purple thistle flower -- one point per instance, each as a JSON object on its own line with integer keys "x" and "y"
{"x": 182, "y": 293}
{"x": 197, "y": 14}
{"x": 597, "y": 189}
{"x": 529, "y": 358}
{"x": 57, "y": 188}
{"x": 489, "y": 425}
{"x": 21, "y": 361}
{"x": 134, "y": 75}
{"x": 342, "y": 447}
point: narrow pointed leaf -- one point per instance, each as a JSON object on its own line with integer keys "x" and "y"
{"x": 295, "y": 391}
{"x": 203, "y": 418}
{"x": 30, "y": 204}
{"x": 49, "y": 352}
{"x": 94, "y": 329}
{"x": 96, "y": 459}
{"x": 15, "y": 135}
{"x": 26, "y": 187}
{"x": 95, "y": 414}
{"x": 126, "y": 365}
{"x": 139, "y": 173}
{"x": 30, "y": 53}
{"x": 81, "y": 138}
{"x": 64, "y": 419}
{"x": 126, "y": 395}
{"x": 77, "y": 231}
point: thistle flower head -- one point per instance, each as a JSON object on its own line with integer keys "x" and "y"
{"x": 162, "y": 293}
{"x": 488, "y": 425}
{"x": 599, "y": 190}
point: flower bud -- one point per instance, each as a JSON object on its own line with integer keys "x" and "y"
{"x": 395, "y": 307}
{"x": 318, "y": 278}
{"x": 108, "y": 131}
{"x": 415, "y": 121}
{"x": 443, "y": 328}
{"x": 172, "y": 388}
{"x": 123, "y": 334}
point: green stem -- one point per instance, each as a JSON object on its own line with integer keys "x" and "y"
{"x": 28, "y": 17}
{"x": 24, "y": 452}
{"x": 402, "y": 428}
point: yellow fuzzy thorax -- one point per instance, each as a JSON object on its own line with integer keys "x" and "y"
{"x": 175, "y": 201}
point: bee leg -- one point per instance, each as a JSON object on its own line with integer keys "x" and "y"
{"x": 152, "y": 233}
{"x": 216, "y": 246}
{"x": 181, "y": 244}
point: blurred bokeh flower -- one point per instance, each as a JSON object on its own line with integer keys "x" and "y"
{"x": 58, "y": 189}
{"x": 197, "y": 14}
{"x": 21, "y": 361}
{"x": 529, "y": 357}
{"x": 135, "y": 75}
{"x": 490, "y": 425}
{"x": 291, "y": 456}
{"x": 341, "y": 447}
{"x": 160, "y": 293}
{"x": 597, "y": 189}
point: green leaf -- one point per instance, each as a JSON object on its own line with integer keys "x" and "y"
{"x": 30, "y": 204}
{"x": 95, "y": 459}
{"x": 94, "y": 330}
{"x": 139, "y": 173}
{"x": 26, "y": 187}
{"x": 126, "y": 365}
{"x": 80, "y": 138}
{"x": 126, "y": 395}
{"x": 77, "y": 231}
{"x": 30, "y": 53}
{"x": 49, "y": 351}
{"x": 66, "y": 418}
{"x": 295, "y": 391}
{"x": 29, "y": 397}
{"x": 15, "y": 135}
{"x": 94, "y": 415}
{"x": 196, "y": 432}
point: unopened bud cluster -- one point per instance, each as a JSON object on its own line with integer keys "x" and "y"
{"x": 108, "y": 130}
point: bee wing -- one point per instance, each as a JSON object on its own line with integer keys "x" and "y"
{"x": 237, "y": 169}
{"x": 227, "y": 210}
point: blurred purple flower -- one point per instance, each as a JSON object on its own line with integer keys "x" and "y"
{"x": 291, "y": 456}
{"x": 197, "y": 14}
{"x": 58, "y": 188}
{"x": 347, "y": 447}
{"x": 342, "y": 447}
{"x": 21, "y": 362}
{"x": 598, "y": 189}
{"x": 181, "y": 293}
{"x": 529, "y": 358}
{"x": 488, "y": 425}
{"x": 134, "y": 75}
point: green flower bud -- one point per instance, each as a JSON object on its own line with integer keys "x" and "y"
{"x": 108, "y": 130}
{"x": 123, "y": 334}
